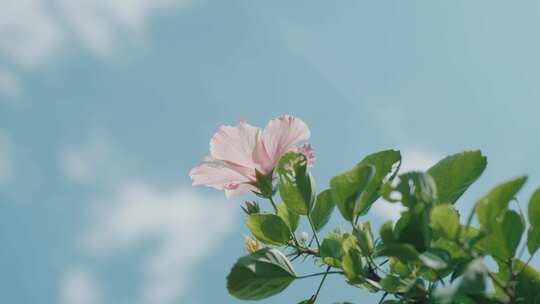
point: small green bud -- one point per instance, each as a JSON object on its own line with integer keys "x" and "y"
{"x": 251, "y": 208}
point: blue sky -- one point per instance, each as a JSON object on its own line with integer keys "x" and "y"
{"x": 106, "y": 105}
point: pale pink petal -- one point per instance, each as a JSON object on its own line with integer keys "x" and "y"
{"x": 217, "y": 174}
{"x": 247, "y": 172}
{"x": 239, "y": 190}
{"x": 235, "y": 144}
{"x": 262, "y": 159}
{"x": 281, "y": 134}
{"x": 308, "y": 151}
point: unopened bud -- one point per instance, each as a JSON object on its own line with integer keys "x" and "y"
{"x": 251, "y": 208}
{"x": 252, "y": 245}
{"x": 304, "y": 237}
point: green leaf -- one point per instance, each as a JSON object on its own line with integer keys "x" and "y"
{"x": 474, "y": 278}
{"x": 403, "y": 252}
{"x": 460, "y": 266}
{"x": 444, "y": 220}
{"x": 436, "y": 264}
{"x": 445, "y": 294}
{"x": 493, "y": 204}
{"x": 387, "y": 233}
{"x": 269, "y": 229}
{"x": 504, "y": 237}
{"x": 394, "y": 284}
{"x": 473, "y": 236}
{"x": 295, "y": 183}
{"x": 331, "y": 251}
{"x": 534, "y": 208}
{"x": 384, "y": 163}
{"x": 450, "y": 295}
{"x": 512, "y": 229}
{"x": 322, "y": 210}
{"x": 533, "y": 239}
{"x": 456, "y": 252}
{"x": 334, "y": 247}
{"x": 527, "y": 282}
{"x": 391, "y": 284}
{"x": 260, "y": 275}
{"x": 435, "y": 258}
{"x": 353, "y": 266}
{"x": 399, "y": 267}
{"x": 413, "y": 188}
{"x": 289, "y": 217}
{"x": 413, "y": 228}
{"x": 533, "y": 235}
{"x": 456, "y": 173}
{"x": 347, "y": 187}
{"x": 364, "y": 236}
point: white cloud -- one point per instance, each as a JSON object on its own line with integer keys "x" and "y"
{"x": 99, "y": 24}
{"x": 10, "y": 85}
{"x": 79, "y": 286}
{"x": 418, "y": 159}
{"x": 32, "y": 32}
{"x": 387, "y": 211}
{"x": 29, "y": 31}
{"x": 92, "y": 160}
{"x": 188, "y": 227}
{"x": 413, "y": 159}
{"x": 179, "y": 226}
{"x": 6, "y": 158}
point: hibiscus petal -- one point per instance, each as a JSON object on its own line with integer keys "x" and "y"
{"x": 217, "y": 174}
{"x": 281, "y": 134}
{"x": 235, "y": 144}
{"x": 239, "y": 190}
{"x": 260, "y": 156}
{"x": 309, "y": 152}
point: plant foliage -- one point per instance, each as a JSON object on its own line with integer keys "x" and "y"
{"x": 431, "y": 254}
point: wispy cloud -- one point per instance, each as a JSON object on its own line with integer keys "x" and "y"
{"x": 420, "y": 159}
{"x": 10, "y": 85}
{"x": 6, "y": 159}
{"x": 179, "y": 226}
{"x": 100, "y": 24}
{"x": 178, "y": 219}
{"x": 79, "y": 286}
{"x": 413, "y": 159}
{"x": 94, "y": 160}
{"x": 32, "y": 32}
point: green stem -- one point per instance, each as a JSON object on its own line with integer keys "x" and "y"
{"x": 510, "y": 286}
{"x": 273, "y": 204}
{"x": 383, "y": 297}
{"x": 314, "y": 298}
{"x": 496, "y": 282}
{"x": 295, "y": 257}
{"x": 519, "y": 207}
{"x": 374, "y": 264}
{"x": 314, "y": 231}
{"x": 319, "y": 274}
{"x": 526, "y": 264}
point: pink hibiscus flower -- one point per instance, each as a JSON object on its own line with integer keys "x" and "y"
{"x": 237, "y": 152}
